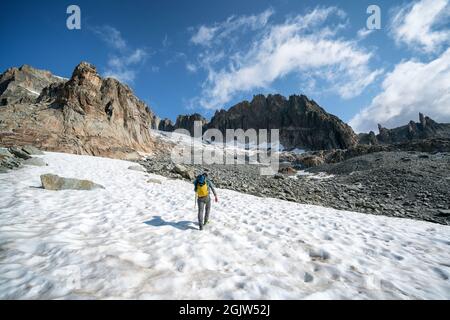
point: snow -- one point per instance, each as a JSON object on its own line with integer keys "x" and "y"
{"x": 298, "y": 151}
{"x": 139, "y": 240}
{"x": 220, "y": 149}
{"x": 61, "y": 78}
{"x": 310, "y": 175}
{"x": 32, "y": 91}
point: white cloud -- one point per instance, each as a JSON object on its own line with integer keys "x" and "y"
{"x": 417, "y": 25}
{"x": 205, "y": 35}
{"x": 412, "y": 87}
{"x": 191, "y": 67}
{"x": 364, "y": 33}
{"x": 111, "y": 36}
{"x": 124, "y": 62}
{"x": 301, "y": 45}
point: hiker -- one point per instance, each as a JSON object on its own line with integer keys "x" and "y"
{"x": 202, "y": 186}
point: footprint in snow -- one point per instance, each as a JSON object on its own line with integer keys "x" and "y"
{"x": 319, "y": 254}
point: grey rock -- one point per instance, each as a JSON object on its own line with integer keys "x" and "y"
{"x": 137, "y": 168}
{"x": 31, "y": 150}
{"x": 426, "y": 128}
{"x": 153, "y": 180}
{"x": 184, "y": 172}
{"x": 5, "y": 153}
{"x": 444, "y": 212}
{"x": 366, "y": 190}
{"x": 19, "y": 153}
{"x": 54, "y": 182}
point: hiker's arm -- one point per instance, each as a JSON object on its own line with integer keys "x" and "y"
{"x": 213, "y": 188}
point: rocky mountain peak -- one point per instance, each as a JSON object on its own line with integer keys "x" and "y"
{"x": 301, "y": 121}
{"x": 85, "y": 114}
{"x": 426, "y": 128}
{"x": 86, "y": 74}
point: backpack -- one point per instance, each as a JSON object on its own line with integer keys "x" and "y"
{"x": 201, "y": 186}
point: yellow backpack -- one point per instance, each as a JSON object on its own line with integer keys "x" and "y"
{"x": 202, "y": 191}
{"x": 201, "y": 186}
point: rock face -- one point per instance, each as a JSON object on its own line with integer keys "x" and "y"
{"x": 426, "y": 128}
{"x": 183, "y": 122}
{"x": 302, "y": 122}
{"x": 54, "y": 182}
{"x": 166, "y": 125}
{"x": 84, "y": 115}
{"x": 24, "y": 84}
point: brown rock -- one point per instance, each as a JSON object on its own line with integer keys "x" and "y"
{"x": 311, "y": 161}
{"x": 288, "y": 171}
{"x": 84, "y": 115}
{"x": 54, "y": 182}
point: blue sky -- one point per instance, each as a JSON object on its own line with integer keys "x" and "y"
{"x": 198, "y": 56}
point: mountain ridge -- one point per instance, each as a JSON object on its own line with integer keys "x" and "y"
{"x": 86, "y": 114}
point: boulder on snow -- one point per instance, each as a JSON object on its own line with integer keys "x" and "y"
{"x": 8, "y": 160}
{"x": 54, "y": 182}
{"x": 32, "y": 150}
{"x": 137, "y": 168}
{"x": 152, "y": 180}
{"x": 4, "y": 153}
{"x": 38, "y": 162}
{"x": 19, "y": 153}
{"x": 184, "y": 172}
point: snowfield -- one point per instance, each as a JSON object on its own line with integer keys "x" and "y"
{"x": 139, "y": 240}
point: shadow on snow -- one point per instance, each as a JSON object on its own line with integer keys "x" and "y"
{"x": 157, "y": 221}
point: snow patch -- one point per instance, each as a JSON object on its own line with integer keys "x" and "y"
{"x": 139, "y": 240}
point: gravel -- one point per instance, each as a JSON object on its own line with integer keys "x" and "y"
{"x": 411, "y": 185}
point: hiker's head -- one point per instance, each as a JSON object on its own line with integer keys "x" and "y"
{"x": 205, "y": 174}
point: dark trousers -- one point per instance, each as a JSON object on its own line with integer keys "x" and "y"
{"x": 203, "y": 203}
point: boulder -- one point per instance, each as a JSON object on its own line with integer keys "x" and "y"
{"x": 19, "y": 153}
{"x": 288, "y": 171}
{"x": 311, "y": 161}
{"x": 32, "y": 150}
{"x": 10, "y": 162}
{"x": 4, "y": 153}
{"x": 137, "y": 168}
{"x": 152, "y": 180}
{"x": 184, "y": 172}
{"x": 54, "y": 182}
{"x": 278, "y": 176}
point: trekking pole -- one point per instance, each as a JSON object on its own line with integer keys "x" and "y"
{"x": 195, "y": 199}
